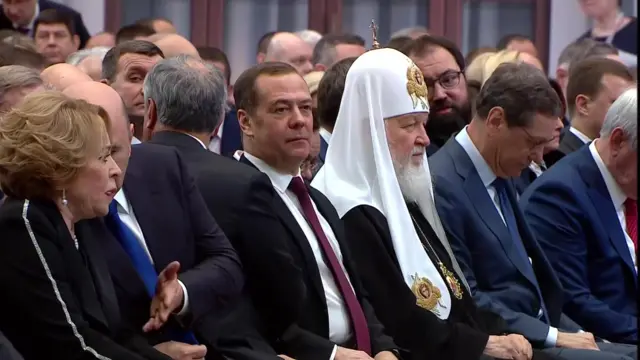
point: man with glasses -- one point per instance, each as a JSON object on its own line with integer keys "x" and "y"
{"x": 442, "y": 66}
{"x": 516, "y": 114}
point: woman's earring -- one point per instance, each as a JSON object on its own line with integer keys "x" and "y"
{"x": 64, "y": 198}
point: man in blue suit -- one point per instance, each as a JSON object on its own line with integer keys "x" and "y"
{"x": 21, "y": 16}
{"x": 516, "y": 114}
{"x": 584, "y": 214}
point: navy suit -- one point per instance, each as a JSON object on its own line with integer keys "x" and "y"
{"x": 231, "y": 134}
{"x": 324, "y": 146}
{"x": 177, "y": 226}
{"x": 496, "y": 272}
{"x": 571, "y": 212}
{"x": 81, "y": 30}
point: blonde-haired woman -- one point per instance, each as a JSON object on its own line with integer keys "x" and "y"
{"x": 56, "y": 169}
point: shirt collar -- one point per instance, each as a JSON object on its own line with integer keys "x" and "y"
{"x": 584, "y": 138}
{"x": 122, "y": 201}
{"x": 32, "y": 21}
{"x": 486, "y": 174}
{"x": 135, "y": 141}
{"x": 220, "y": 129}
{"x": 617, "y": 196}
{"x": 198, "y": 140}
{"x": 325, "y": 134}
{"x": 279, "y": 180}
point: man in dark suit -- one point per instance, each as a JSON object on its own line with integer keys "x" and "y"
{"x": 21, "y": 16}
{"x": 160, "y": 228}
{"x": 593, "y": 85}
{"x": 516, "y": 114}
{"x": 329, "y": 96}
{"x": 186, "y": 125}
{"x": 584, "y": 214}
{"x": 337, "y": 321}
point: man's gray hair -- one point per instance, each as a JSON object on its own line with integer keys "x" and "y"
{"x": 17, "y": 77}
{"x": 190, "y": 95}
{"x": 410, "y": 32}
{"x": 77, "y": 57}
{"x": 583, "y": 49}
{"x": 623, "y": 114}
{"x": 311, "y": 37}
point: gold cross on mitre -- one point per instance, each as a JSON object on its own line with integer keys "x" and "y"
{"x": 374, "y": 33}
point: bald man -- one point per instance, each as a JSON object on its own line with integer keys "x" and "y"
{"x": 92, "y": 66}
{"x": 174, "y": 45}
{"x": 289, "y": 48}
{"x": 61, "y": 76}
{"x": 104, "y": 38}
{"x": 210, "y": 272}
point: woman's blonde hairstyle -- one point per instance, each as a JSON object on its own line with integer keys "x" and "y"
{"x": 485, "y": 64}
{"x": 45, "y": 141}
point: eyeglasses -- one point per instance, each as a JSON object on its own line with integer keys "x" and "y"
{"x": 536, "y": 143}
{"x": 448, "y": 80}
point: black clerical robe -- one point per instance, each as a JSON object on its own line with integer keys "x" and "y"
{"x": 422, "y": 335}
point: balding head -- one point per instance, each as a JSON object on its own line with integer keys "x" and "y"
{"x": 61, "y": 76}
{"x": 92, "y": 66}
{"x": 106, "y": 39}
{"x": 289, "y": 48}
{"x": 174, "y": 45}
{"x": 103, "y": 95}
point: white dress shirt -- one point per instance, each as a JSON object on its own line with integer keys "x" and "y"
{"x": 128, "y": 218}
{"x": 617, "y": 197}
{"x": 584, "y": 138}
{"x": 488, "y": 176}
{"x": 31, "y": 22}
{"x": 325, "y": 135}
{"x": 216, "y": 142}
{"x": 339, "y": 321}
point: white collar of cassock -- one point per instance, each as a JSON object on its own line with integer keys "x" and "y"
{"x": 358, "y": 169}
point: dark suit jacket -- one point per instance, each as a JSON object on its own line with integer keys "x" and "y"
{"x": 527, "y": 176}
{"x": 237, "y": 195}
{"x": 81, "y": 30}
{"x": 494, "y": 270}
{"x": 7, "y": 351}
{"x": 231, "y": 134}
{"x": 307, "y": 338}
{"x": 568, "y": 144}
{"x": 413, "y": 328}
{"x": 177, "y": 227}
{"x": 324, "y": 146}
{"x": 570, "y": 211}
{"x": 59, "y": 300}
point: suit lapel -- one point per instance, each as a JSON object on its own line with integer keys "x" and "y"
{"x": 231, "y": 138}
{"x": 324, "y": 146}
{"x": 485, "y": 208}
{"x": 572, "y": 142}
{"x": 146, "y": 202}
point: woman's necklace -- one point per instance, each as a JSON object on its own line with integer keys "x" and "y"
{"x": 75, "y": 240}
{"x": 450, "y": 278}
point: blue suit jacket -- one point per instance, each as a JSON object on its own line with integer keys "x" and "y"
{"x": 482, "y": 245}
{"x": 324, "y": 146}
{"x": 571, "y": 212}
{"x": 231, "y": 134}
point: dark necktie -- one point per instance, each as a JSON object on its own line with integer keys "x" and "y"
{"x": 631, "y": 217}
{"x": 141, "y": 262}
{"x": 501, "y": 187}
{"x": 356, "y": 314}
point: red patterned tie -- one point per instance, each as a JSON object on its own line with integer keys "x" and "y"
{"x": 358, "y": 320}
{"x": 631, "y": 217}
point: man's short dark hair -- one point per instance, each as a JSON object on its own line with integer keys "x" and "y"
{"x": 11, "y": 55}
{"x": 130, "y": 32}
{"x": 55, "y": 16}
{"x": 330, "y": 92}
{"x": 110, "y": 61}
{"x": 244, "y": 90}
{"x": 399, "y": 42}
{"x": 214, "y": 54}
{"x": 508, "y": 39}
{"x": 585, "y": 78}
{"x": 522, "y": 91}
{"x": 325, "y": 50}
{"x": 426, "y": 44}
{"x": 263, "y": 43}
{"x": 582, "y": 49}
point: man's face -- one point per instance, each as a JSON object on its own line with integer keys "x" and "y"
{"x": 282, "y": 125}
{"x": 612, "y": 88}
{"x": 344, "y": 51}
{"x": 55, "y": 42}
{"x": 555, "y": 142}
{"x": 448, "y": 99}
{"x": 624, "y": 162}
{"x": 524, "y": 46}
{"x": 407, "y": 139}
{"x": 19, "y": 11}
{"x": 12, "y": 97}
{"x": 132, "y": 69}
{"x": 299, "y": 56}
{"x": 516, "y": 147}
{"x": 120, "y": 138}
